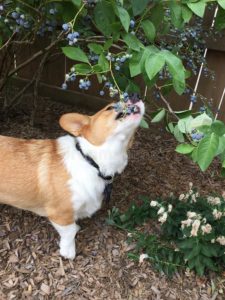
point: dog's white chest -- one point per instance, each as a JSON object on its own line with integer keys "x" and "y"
{"x": 87, "y": 193}
{"x": 85, "y": 185}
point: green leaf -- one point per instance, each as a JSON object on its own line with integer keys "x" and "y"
{"x": 209, "y": 250}
{"x": 124, "y": 17}
{"x": 96, "y": 48}
{"x": 178, "y": 134}
{"x": 103, "y": 62}
{"x": 159, "y": 116}
{"x": 157, "y": 11}
{"x": 221, "y": 147}
{"x": 134, "y": 64}
{"x": 176, "y": 69}
{"x": 185, "y": 148}
{"x": 132, "y": 42}
{"x": 143, "y": 123}
{"x": 149, "y": 30}
{"x": 218, "y": 127}
{"x": 183, "y": 113}
{"x": 201, "y": 120}
{"x": 75, "y": 53}
{"x": 153, "y": 64}
{"x": 138, "y": 6}
{"x": 186, "y": 14}
{"x": 137, "y": 62}
{"x": 108, "y": 44}
{"x": 83, "y": 69}
{"x": 76, "y": 2}
{"x": 207, "y": 149}
{"x": 221, "y": 3}
{"x": 198, "y": 8}
{"x": 184, "y": 124}
{"x": 186, "y": 244}
{"x": 176, "y": 14}
{"x": 104, "y": 17}
{"x": 190, "y": 254}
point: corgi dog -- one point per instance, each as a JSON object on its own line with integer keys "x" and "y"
{"x": 65, "y": 179}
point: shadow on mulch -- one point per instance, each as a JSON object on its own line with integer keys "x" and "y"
{"x": 30, "y": 265}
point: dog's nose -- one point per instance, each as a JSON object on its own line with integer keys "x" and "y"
{"x": 134, "y": 98}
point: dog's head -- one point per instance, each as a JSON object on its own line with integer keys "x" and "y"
{"x": 115, "y": 120}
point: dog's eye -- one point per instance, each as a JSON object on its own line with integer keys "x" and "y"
{"x": 109, "y": 108}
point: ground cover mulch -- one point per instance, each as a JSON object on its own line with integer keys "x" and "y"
{"x": 30, "y": 265}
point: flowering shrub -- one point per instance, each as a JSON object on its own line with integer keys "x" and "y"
{"x": 161, "y": 42}
{"x": 192, "y": 232}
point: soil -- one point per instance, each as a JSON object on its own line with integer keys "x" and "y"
{"x": 30, "y": 265}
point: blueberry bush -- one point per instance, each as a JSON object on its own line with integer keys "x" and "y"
{"x": 161, "y": 43}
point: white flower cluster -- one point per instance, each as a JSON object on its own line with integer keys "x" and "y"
{"x": 163, "y": 214}
{"x": 221, "y": 240}
{"x": 190, "y": 193}
{"x": 213, "y": 200}
{"x": 195, "y": 220}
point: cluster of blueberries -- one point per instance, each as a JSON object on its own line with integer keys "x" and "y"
{"x": 197, "y": 136}
{"x": 21, "y": 19}
{"x": 17, "y": 20}
{"x": 84, "y": 84}
{"x": 72, "y": 37}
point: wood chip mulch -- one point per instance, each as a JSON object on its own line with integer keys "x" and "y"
{"x": 30, "y": 265}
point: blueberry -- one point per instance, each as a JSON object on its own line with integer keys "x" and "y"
{"x": 193, "y": 98}
{"x": 76, "y": 34}
{"x": 15, "y": 15}
{"x": 101, "y": 93}
{"x": 107, "y": 84}
{"x": 88, "y": 83}
{"x": 1, "y": 7}
{"x": 73, "y": 77}
{"x": 52, "y": 11}
{"x": 122, "y": 59}
{"x": 22, "y": 16}
{"x": 117, "y": 68}
{"x": 132, "y": 23}
{"x": 65, "y": 27}
{"x": 64, "y": 86}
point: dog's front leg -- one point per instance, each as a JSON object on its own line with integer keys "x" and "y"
{"x": 67, "y": 239}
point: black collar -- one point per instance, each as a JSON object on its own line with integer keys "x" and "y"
{"x": 92, "y": 163}
{"x": 108, "y": 179}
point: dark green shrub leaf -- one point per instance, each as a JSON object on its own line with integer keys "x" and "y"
{"x": 159, "y": 116}
{"x": 83, "y": 69}
{"x": 75, "y": 53}
{"x": 104, "y": 17}
{"x": 149, "y": 30}
{"x": 124, "y": 17}
{"x": 96, "y": 48}
{"x": 153, "y": 64}
{"x": 132, "y": 42}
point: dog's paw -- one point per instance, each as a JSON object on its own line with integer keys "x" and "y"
{"x": 68, "y": 252}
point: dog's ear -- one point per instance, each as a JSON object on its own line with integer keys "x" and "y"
{"x": 74, "y": 123}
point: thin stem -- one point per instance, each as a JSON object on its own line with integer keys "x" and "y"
{"x": 113, "y": 77}
{"x": 166, "y": 102}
